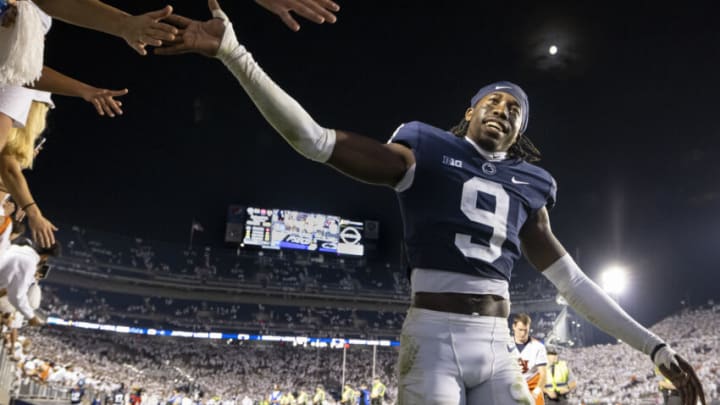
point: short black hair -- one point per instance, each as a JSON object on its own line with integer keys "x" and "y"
{"x": 55, "y": 250}
{"x": 18, "y": 227}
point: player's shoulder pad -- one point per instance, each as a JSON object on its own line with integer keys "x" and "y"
{"x": 544, "y": 182}
{"x": 411, "y": 133}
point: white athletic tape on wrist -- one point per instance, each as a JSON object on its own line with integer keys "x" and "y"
{"x": 592, "y": 303}
{"x": 285, "y": 114}
{"x": 218, "y": 13}
{"x": 666, "y": 357}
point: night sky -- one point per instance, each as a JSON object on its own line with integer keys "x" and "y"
{"x": 625, "y": 115}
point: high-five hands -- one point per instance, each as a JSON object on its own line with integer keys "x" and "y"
{"x": 194, "y": 36}
{"x": 205, "y": 37}
{"x": 317, "y": 11}
{"x": 147, "y": 29}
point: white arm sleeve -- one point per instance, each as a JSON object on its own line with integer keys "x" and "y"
{"x": 279, "y": 109}
{"x": 597, "y": 307}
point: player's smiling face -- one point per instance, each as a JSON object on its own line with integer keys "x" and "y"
{"x": 495, "y": 121}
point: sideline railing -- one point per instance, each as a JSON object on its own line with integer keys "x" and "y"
{"x": 7, "y": 375}
{"x": 33, "y": 390}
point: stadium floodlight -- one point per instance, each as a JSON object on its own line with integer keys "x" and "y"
{"x": 614, "y": 280}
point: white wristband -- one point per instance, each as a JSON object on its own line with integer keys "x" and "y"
{"x": 592, "y": 303}
{"x": 666, "y": 357}
{"x": 285, "y": 114}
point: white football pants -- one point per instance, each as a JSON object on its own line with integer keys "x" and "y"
{"x": 455, "y": 359}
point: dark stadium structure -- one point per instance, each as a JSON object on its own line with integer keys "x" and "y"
{"x": 128, "y": 281}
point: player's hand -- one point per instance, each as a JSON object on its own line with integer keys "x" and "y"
{"x": 146, "y": 29}
{"x": 42, "y": 230}
{"x": 196, "y": 36}
{"x": 104, "y": 100}
{"x": 317, "y": 11}
{"x": 681, "y": 374}
{"x": 10, "y": 14}
{"x": 551, "y": 394}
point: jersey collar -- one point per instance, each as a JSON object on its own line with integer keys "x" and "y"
{"x": 491, "y": 156}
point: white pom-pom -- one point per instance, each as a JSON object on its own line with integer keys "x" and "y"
{"x": 22, "y": 46}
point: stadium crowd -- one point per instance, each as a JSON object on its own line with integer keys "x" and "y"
{"x": 165, "y": 367}
{"x": 228, "y": 370}
{"x": 618, "y": 374}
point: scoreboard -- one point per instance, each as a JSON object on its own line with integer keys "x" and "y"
{"x": 271, "y": 228}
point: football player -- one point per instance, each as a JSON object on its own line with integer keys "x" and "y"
{"x": 472, "y": 201}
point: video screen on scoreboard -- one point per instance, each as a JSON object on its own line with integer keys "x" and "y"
{"x": 288, "y": 229}
{"x": 257, "y": 227}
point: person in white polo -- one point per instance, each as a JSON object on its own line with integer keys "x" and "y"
{"x": 23, "y": 265}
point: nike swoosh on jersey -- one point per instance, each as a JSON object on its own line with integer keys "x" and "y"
{"x": 516, "y": 181}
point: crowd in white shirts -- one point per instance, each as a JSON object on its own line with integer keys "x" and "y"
{"x": 223, "y": 370}
{"x": 617, "y": 374}
{"x": 218, "y": 369}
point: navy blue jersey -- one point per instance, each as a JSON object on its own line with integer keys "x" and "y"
{"x": 364, "y": 398}
{"x": 463, "y": 213}
{"x": 76, "y": 395}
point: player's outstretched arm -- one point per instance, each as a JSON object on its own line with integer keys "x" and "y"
{"x": 318, "y": 11}
{"x": 138, "y": 31}
{"x": 359, "y": 157}
{"x": 545, "y": 252}
{"x": 102, "y": 99}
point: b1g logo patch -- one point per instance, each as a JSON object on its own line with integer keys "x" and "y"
{"x": 448, "y": 161}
